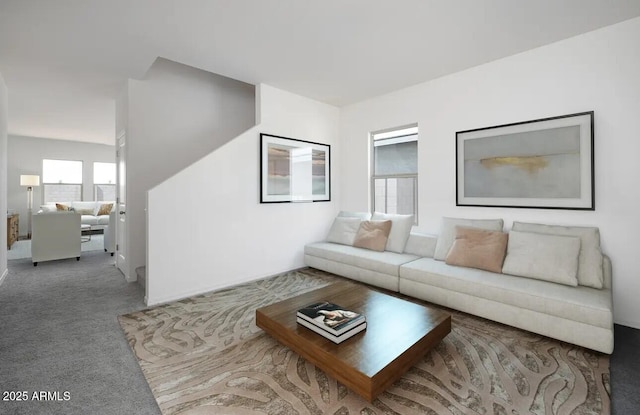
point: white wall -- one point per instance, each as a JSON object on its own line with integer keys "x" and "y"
{"x": 176, "y": 115}
{"x": 207, "y": 228}
{"x": 597, "y": 71}
{"x": 25, "y": 157}
{"x": 3, "y": 177}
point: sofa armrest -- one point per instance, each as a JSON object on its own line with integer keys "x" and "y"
{"x": 421, "y": 244}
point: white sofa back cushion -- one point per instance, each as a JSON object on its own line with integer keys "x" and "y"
{"x": 421, "y": 244}
{"x": 400, "y": 228}
{"x": 448, "y": 232}
{"x": 343, "y": 231}
{"x": 590, "y": 272}
{"x": 551, "y": 258}
{"x": 360, "y": 215}
{"x": 49, "y": 207}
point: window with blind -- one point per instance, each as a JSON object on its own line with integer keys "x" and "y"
{"x": 394, "y": 181}
{"x": 61, "y": 180}
{"x": 104, "y": 181}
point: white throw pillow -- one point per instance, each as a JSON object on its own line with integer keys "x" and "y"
{"x": 590, "y": 272}
{"x": 343, "y": 231}
{"x": 448, "y": 232}
{"x": 400, "y": 228}
{"x": 544, "y": 257}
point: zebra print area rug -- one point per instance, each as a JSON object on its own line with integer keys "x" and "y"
{"x": 204, "y": 355}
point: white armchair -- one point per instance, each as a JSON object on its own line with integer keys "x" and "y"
{"x": 110, "y": 234}
{"x": 55, "y": 236}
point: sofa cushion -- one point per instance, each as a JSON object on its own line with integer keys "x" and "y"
{"x": 373, "y": 234}
{"x": 384, "y": 262}
{"x": 448, "y": 232}
{"x": 545, "y": 257}
{"x": 478, "y": 248}
{"x": 343, "y": 230}
{"x": 102, "y": 220}
{"x": 421, "y": 244}
{"x": 89, "y": 220}
{"x": 582, "y": 304}
{"x": 84, "y": 204}
{"x": 590, "y": 272}
{"x": 48, "y": 208}
{"x": 360, "y": 215}
{"x": 400, "y": 229}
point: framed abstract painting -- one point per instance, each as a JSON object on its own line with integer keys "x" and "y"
{"x": 294, "y": 170}
{"x": 546, "y": 163}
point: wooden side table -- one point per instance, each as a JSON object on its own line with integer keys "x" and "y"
{"x": 12, "y": 229}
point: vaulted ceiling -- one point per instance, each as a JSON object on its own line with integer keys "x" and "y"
{"x": 65, "y": 61}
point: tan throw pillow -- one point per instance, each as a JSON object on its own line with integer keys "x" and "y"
{"x": 478, "y": 248}
{"x": 448, "y": 232}
{"x": 85, "y": 211}
{"x": 373, "y": 234}
{"x": 400, "y": 228}
{"x": 105, "y": 209}
{"x": 61, "y": 207}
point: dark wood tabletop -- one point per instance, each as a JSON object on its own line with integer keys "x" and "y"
{"x": 398, "y": 334}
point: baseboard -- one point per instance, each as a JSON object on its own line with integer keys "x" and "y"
{"x": 631, "y": 324}
{"x": 214, "y": 287}
{"x": 4, "y": 275}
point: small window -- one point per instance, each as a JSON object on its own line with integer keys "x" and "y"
{"x": 104, "y": 181}
{"x": 61, "y": 180}
{"x": 394, "y": 181}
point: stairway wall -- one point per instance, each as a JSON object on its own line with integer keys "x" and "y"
{"x": 206, "y": 227}
{"x": 176, "y": 115}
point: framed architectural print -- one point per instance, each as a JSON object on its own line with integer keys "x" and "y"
{"x": 294, "y": 170}
{"x": 546, "y": 163}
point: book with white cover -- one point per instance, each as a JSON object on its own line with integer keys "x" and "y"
{"x": 336, "y": 339}
{"x": 330, "y": 317}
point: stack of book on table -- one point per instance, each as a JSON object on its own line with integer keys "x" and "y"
{"x": 331, "y": 321}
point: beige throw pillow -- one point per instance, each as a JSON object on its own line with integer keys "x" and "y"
{"x": 448, "y": 232}
{"x": 400, "y": 228}
{"x": 478, "y": 248}
{"x": 373, "y": 234}
{"x": 61, "y": 207}
{"x": 85, "y": 211}
{"x": 105, "y": 209}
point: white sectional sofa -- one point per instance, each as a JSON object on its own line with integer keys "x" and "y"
{"x": 577, "y": 314}
{"x": 87, "y": 209}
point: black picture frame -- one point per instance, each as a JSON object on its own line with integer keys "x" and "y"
{"x": 546, "y": 163}
{"x": 293, "y": 170}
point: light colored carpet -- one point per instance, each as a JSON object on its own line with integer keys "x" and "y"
{"x": 22, "y": 249}
{"x": 205, "y": 355}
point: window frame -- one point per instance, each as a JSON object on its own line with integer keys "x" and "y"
{"x": 373, "y": 177}
{"x": 96, "y": 183}
{"x": 45, "y": 184}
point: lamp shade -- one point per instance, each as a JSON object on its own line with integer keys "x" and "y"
{"x": 29, "y": 180}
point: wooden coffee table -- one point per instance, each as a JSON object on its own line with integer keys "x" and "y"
{"x": 398, "y": 334}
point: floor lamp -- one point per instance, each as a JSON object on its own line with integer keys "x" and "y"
{"x": 29, "y": 180}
